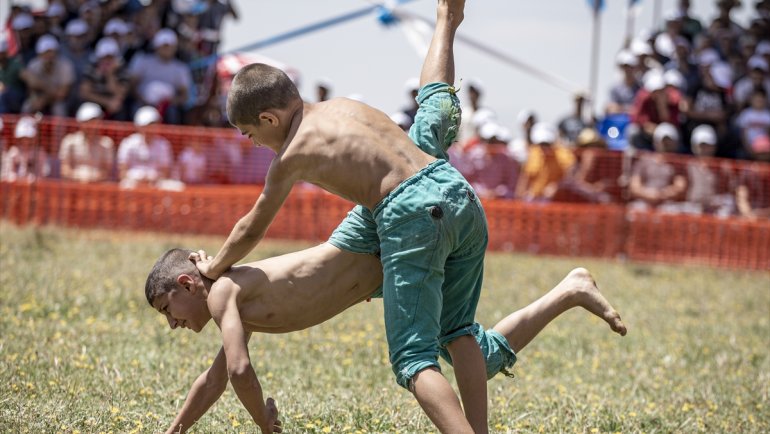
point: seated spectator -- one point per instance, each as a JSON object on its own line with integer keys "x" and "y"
{"x": 192, "y": 163}
{"x": 519, "y": 146}
{"x": 25, "y": 160}
{"x": 622, "y": 94}
{"x": 55, "y": 15}
{"x": 144, "y": 158}
{"x": 75, "y": 47}
{"x": 583, "y": 179}
{"x": 12, "y": 90}
{"x": 105, "y": 81}
{"x": 548, "y": 164}
{"x": 757, "y": 78}
{"x": 703, "y": 186}
{"x": 654, "y": 104}
{"x": 710, "y": 104}
{"x": 49, "y": 77}
{"x": 654, "y": 182}
{"x": 85, "y": 155}
{"x": 493, "y": 170}
{"x": 752, "y": 196}
{"x": 160, "y": 80}
{"x": 468, "y": 128}
{"x": 22, "y": 24}
{"x": 754, "y": 123}
{"x": 571, "y": 125}
{"x": 684, "y": 65}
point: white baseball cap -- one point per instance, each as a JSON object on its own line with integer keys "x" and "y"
{"x": 482, "y": 116}
{"x": 106, "y": 46}
{"x": 708, "y": 57}
{"x": 626, "y": 58}
{"x": 26, "y": 127}
{"x": 88, "y": 111}
{"x": 665, "y": 130}
{"x": 653, "y": 80}
{"x": 763, "y": 48}
{"x": 722, "y": 74}
{"x": 672, "y": 77}
{"x": 55, "y": 10}
{"x": 488, "y": 130}
{"x": 664, "y": 45}
{"x": 543, "y": 132}
{"x": 115, "y": 26}
{"x": 640, "y": 47}
{"x": 46, "y": 43}
{"x": 76, "y": 27}
{"x": 146, "y": 116}
{"x": 757, "y": 62}
{"x": 401, "y": 119}
{"x": 164, "y": 37}
{"x": 22, "y": 21}
{"x": 703, "y": 134}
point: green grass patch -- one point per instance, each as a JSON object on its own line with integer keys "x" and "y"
{"x": 82, "y": 351}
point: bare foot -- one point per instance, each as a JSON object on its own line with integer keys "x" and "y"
{"x": 582, "y": 287}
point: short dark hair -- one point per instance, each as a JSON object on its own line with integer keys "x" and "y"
{"x": 162, "y": 278}
{"x": 256, "y": 88}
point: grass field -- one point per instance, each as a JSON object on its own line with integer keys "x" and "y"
{"x": 81, "y": 351}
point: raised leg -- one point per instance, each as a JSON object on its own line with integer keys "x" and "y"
{"x": 577, "y": 289}
{"x": 439, "y": 64}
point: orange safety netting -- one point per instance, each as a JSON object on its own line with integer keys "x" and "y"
{"x": 569, "y": 226}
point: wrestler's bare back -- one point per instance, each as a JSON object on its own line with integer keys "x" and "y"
{"x": 302, "y": 289}
{"x": 352, "y": 150}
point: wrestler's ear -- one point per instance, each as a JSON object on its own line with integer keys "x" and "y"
{"x": 186, "y": 281}
{"x": 269, "y": 118}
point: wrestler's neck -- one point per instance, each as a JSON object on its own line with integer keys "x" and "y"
{"x": 295, "y": 119}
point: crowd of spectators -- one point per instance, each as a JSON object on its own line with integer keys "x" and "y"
{"x": 690, "y": 88}
{"x": 118, "y": 54}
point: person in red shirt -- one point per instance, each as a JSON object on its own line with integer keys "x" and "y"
{"x": 654, "y": 104}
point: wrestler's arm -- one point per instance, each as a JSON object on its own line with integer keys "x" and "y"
{"x": 251, "y": 228}
{"x": 224, "y": 310}
{"x": 205, "y": 391}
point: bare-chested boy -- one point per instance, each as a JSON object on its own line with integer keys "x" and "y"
{"x": 427, "y": 225}
{"x": 305, "y": 288}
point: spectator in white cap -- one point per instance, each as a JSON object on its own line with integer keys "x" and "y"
{"x": 654, "y": 104}
{"x": 25, "y": 160}
{"x": 491, "y": 169}
{"x": 519, "y": 147}
{"x": 323, "y": 87}
{"x": 86, "y": 155}
{"x": 710, "y": 101}
{"x": 654, "y": 182}
{"x": 548, "y": 165}
{"x": 645, "y": 55}
{"x": 623, "y": 92}
{"x": 704, "y": 191}
{"x": 145, "y": 157}
{"x": 12, "y": 90}
{"x": 105, "y": 81}
{"x": 411, "y": 87}
{"x": 49, "y": 78}
{"x": 664, "y": 42}
{"x": 754, "y": 122}
{"x": 22, "y": 24}
{"x": 164, "y": 68}
{"x": 469, "y": 129}
{"x": 683, "y": 63}
{"x": 55, "y": 15}
{"x": 757, "y": 78}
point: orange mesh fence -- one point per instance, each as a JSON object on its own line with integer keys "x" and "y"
{"x": 571, "y": 228}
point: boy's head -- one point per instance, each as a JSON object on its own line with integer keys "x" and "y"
{"x": 261, "y": 102}
{"x": 175, "y": 288}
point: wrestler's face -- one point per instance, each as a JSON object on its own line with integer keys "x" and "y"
{"x": 264, "y": 132}
{"x": 185, "y": 306}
